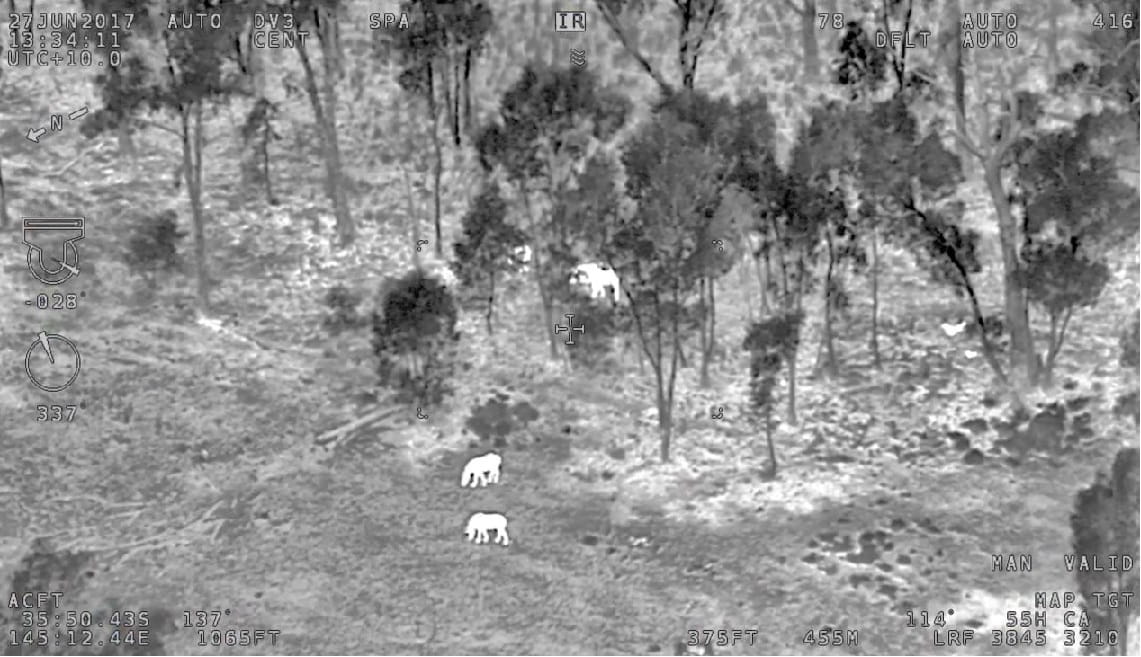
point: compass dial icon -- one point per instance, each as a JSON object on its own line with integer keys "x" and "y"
{"x": 52, "y": 362}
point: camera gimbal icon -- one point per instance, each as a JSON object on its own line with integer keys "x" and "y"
{"x": 65, "y": 264}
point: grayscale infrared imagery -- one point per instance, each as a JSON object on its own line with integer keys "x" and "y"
{"x": 570, "y": 327}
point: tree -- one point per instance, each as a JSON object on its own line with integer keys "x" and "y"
{"x": 178, "y": 71}
{"x": 4, "y": 218}
{"x": 1130, "y": 339}
{"x": 862, "y": 69}
{"x": 1008, "y": 102}
{"x": 950, "y": 43}
{"x": 770, "y": 342}
{"x": 548, "y": 123}
{"x": 1111, "y": 69}
{"x": 1075, "y": 209}
{"x": 810, "y": 52}
{"x": 910, "y": 179}
{"x": 671, "y": 177}
{"x": 467, "y": 28}
{"x": 861, "y": 65}
{"x": 257, "y": 134}
{"x": 695, "y": 23}
{"x": 739, "y": 137}
{"x": 322, "y": 17}
{"x": 824, "y": 159}
{"x": 796, "y": 219}
{"x": 441, "y": 34}
{"x": 414, "y": 336}
{"x": 1130, "y": 342}
{"x": 439, "y": 50}
{"x": 888, "y": 141}
{"x": 109, "y": 34}
{"x": 1017, "y": 185}
{"x": 1104, "y": 524}
{"x": 753, "y": 181}
{"x": 487, "y": 247}
{"x": 258, "y": 129}
{"x": 905, "y": 76}
{"x": 991, "y": 148}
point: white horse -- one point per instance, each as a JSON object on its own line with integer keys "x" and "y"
{"x": 521, "y": 256}
{"x": 600, "y": 280}
{"x": 482, "y": 469}
{"x": 480, "y": 524}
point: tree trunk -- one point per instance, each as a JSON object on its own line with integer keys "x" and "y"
{"x": 875, "y": 281}
{"x": 256, "y": 58}
{"x": 769, "y": 439}
{"x": 557, "y": 45}
{"x": 192, "y": 143}
{"x": 538, "y": 268}
{"x": 1052, "y": 58}
{"x": 437, "y": 163}
{"x": 792, "y": 387}
{"x": 1023, "y": 361}
{"x": 457, "y": 135}
{"x": 764, "y": 275}
{"x": 549, "y": 318}
{"x": 327, "y": 127}
{"x": 988, "y": 350}
{"x": 743, "y": 275}
{"x": 331, "y": 56}
{"x": 687, "y": 61}
{"x": 702, "y": 333}
{"x": 126, "y": 141}
{"x": 710, "y": 342}
{"x": 5, "y": 218}
{"x": 829, "y": 300}
{"x": 267, "y": 135}
{"x": 123, "y": 129}
{"x": 810, "y": 49}
{"x": 953, "y": 22}
{"x": 469, "y": 124}
{"x": 255, "y": 62}
{"x": 490, "y": 303}
{"x": 672, "y": 386}
{"x": 539, "y": 35}
{"x": 1057, "y": 339}
{"x": 665, "y": 423}
{"x": 666, "y": 397}
{"x": 447, "y": 85}
{"x": 795, "y": 306}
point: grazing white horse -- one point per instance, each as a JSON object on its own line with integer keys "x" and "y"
{"x": 480, "y": 524}
{"x": 600, "y": 280}
{"x": 482, "y": 470}
{"x": 952, "y": 330}
{"x": 521, "y": 256}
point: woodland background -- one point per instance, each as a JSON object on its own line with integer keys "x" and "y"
{"x": 905, "y": 281}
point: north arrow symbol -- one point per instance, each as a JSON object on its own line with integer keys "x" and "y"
{"x": 34, "y": 135}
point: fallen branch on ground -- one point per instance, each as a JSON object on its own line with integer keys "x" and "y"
{"x": 332, "y": 438}
{"x": 197, "y": 528}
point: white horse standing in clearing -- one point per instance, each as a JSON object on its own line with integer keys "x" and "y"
{"x": 598, "y": 280}
{"x": 480, "y": 524}
{"x": 483, "y": 469}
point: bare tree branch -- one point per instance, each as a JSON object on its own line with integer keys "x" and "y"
{"x": 705, "y": 23}
{"x": 965, "y": 138}
{"x": 616, "y": 27}
{"x": 792, "y": 5}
